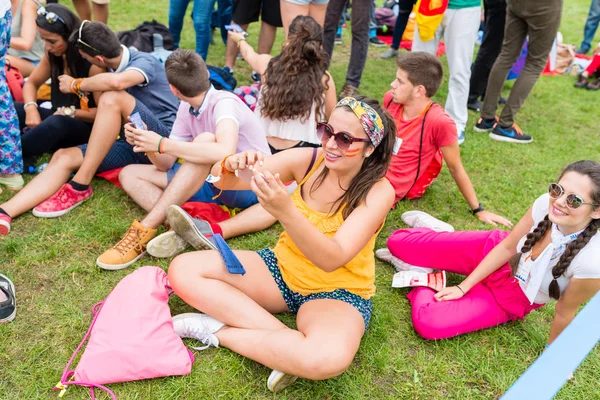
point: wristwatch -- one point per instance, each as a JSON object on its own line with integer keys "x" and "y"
{"x": 478, "y": 209}
{"x": 69, "y": 111}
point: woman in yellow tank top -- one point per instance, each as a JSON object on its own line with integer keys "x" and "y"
{"x": 322, "y": 267}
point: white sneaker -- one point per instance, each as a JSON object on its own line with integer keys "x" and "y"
{"x": 198, "y": 326}
{"x": 399, "y": 265}
{"x": 420, "y": 219}
{"x": 278, "y": 381}
{"x": 166, "y": 245}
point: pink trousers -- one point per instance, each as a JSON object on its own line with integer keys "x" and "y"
{"x": 494, "y": 301}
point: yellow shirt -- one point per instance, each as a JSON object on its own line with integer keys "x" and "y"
{"x": 302, "y": 276}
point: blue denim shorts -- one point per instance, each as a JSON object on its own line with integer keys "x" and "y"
{"x": 229, "y": 198}
{"x": 307, "y": 2}
{"x": 295, "y": 300}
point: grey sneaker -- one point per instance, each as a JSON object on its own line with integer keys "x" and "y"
{"x": 278, "y": 381}
{"x": 8, "y": 307}
{"x": 420, "y": 219}
{"x": 198, "y": 326}
{"x": 389, "y": 53}
{"x": 196, "y": 232}
{"x": 399, "y": 265}
{"x": 348, "y": 91}
{"x": 169, "y": 244}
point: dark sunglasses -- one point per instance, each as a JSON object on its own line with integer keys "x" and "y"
{"x": 84, "y": 43}
{"x": 49, "y": 15}
{"x": 343, "y": 140}
{"x": 573, "y": 201}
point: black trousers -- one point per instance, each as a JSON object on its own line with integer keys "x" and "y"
{"x": 495, "y": 16}
{"x": 55, "y": 132}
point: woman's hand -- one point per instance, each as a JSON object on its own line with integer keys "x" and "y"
{"x": 32, "y": 117}
{"x": 143, "y": 141}
{"x": 449, "y": 293}
{"x": 248, "y": 159}
{"x": 271, "y": 193}
{"x": 235, "y": 36}
{"x": 493, "y": 219}
{"x": 65, "y": 83}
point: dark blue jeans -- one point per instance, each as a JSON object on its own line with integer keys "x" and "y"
{"x": 405, "y": 8}
{"x": 591, "y": 25}
{"x": 201, "y": 15}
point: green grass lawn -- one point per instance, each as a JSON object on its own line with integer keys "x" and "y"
{"x": 52, "y": 263}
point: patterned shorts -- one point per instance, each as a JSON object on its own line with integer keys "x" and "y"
{"x": 295, "y": 300}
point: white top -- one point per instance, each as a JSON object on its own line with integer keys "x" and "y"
{"x": 535, "y": 276}
{"x": 292, "y": 129}
{"x": 5, "y": 5}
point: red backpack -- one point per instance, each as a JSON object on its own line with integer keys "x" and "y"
{"x": 15, "y": 82}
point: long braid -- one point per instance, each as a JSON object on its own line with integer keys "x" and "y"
{"x": 571, "y": 251}
{"x": 532, "y": 238}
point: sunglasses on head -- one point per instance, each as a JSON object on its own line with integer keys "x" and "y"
{"x": 49, "y": 15}
{"x": 574, "y": 201}
{"x": 84, "y": 43}
{"x": 343, "y": 140}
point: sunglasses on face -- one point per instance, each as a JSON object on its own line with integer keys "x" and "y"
{"x": 343, "y": 140}
{"x": 49, "y": 15}
{"x": 84, "y": 43}
{"x": 573, "y": 201}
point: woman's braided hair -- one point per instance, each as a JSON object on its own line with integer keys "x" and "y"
{"x": 590, "y": 169}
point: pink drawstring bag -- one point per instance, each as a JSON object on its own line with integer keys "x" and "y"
{"x": 131, "y": 336}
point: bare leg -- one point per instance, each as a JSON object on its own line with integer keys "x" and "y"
{"x": 83, "y": 8}
{"x": 253, "y": 219}
{"x": 318, "y": 11}
{"x": 44, "y": 185}
{"x": 100, "y": 12}
{"x": 113, "y": 109}
{"x": 232, "y": 49}
{"x": 24, "y": 66}
{"x": 266, "y": 38}
{"x": 187, "y": 181}
{"x": 289, "y": 11}
{"x": 143, "y": 183}
{"x": 318, "y": 350}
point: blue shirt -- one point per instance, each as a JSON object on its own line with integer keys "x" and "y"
{"x": 154, "y": 92}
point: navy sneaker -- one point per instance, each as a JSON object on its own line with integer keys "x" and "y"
{"x": 8, "y": 307}
{"x": 461, "y": 137}
{"x": 512, "y": 134}
{"x": 485, "y": 124}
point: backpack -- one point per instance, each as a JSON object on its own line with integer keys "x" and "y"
{"x": 221, "y": 79}
{"x": 385, "y": 17}
{"x": 15, "y": 81}
{"x": 142, "y": 36}
{"x": 131, "y": 337}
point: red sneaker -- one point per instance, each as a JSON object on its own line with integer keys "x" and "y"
{"x": 62, "y": 202}
{"x": 4, "y": 224}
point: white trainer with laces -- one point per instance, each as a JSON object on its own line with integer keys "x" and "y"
{"x": 399, "y": 265}
{"x": 198, "y": 326}
{"x": 278, "y": 381}
{"x": 420, "y": 219}
{"x": 166, "y": 245}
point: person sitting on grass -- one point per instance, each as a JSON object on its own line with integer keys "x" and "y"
{"x": 426, "y": 135}
{"x": 137, "y": 84}
{"x": 290, "y": 114}
{"x": 67, "y": 123}
{"x": 210, "y": 125}
{"x": 551, "y": 254}
{"x": 593, "y": 70}
{"x": 322, "y": 267}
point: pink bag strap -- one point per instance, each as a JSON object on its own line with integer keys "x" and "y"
{"x": 64, "y": 380}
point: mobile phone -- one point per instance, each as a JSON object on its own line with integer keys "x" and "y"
{"x": 236, "y": 28}
{"x": 136, "y": 120}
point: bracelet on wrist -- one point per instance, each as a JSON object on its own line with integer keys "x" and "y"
{"x": 459, "y": 288}
{"x": 159, "y": 149}
{"x": 477, "y": 210}
{"x": 240, "y": 40}
{"x": 30, "y": 103}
